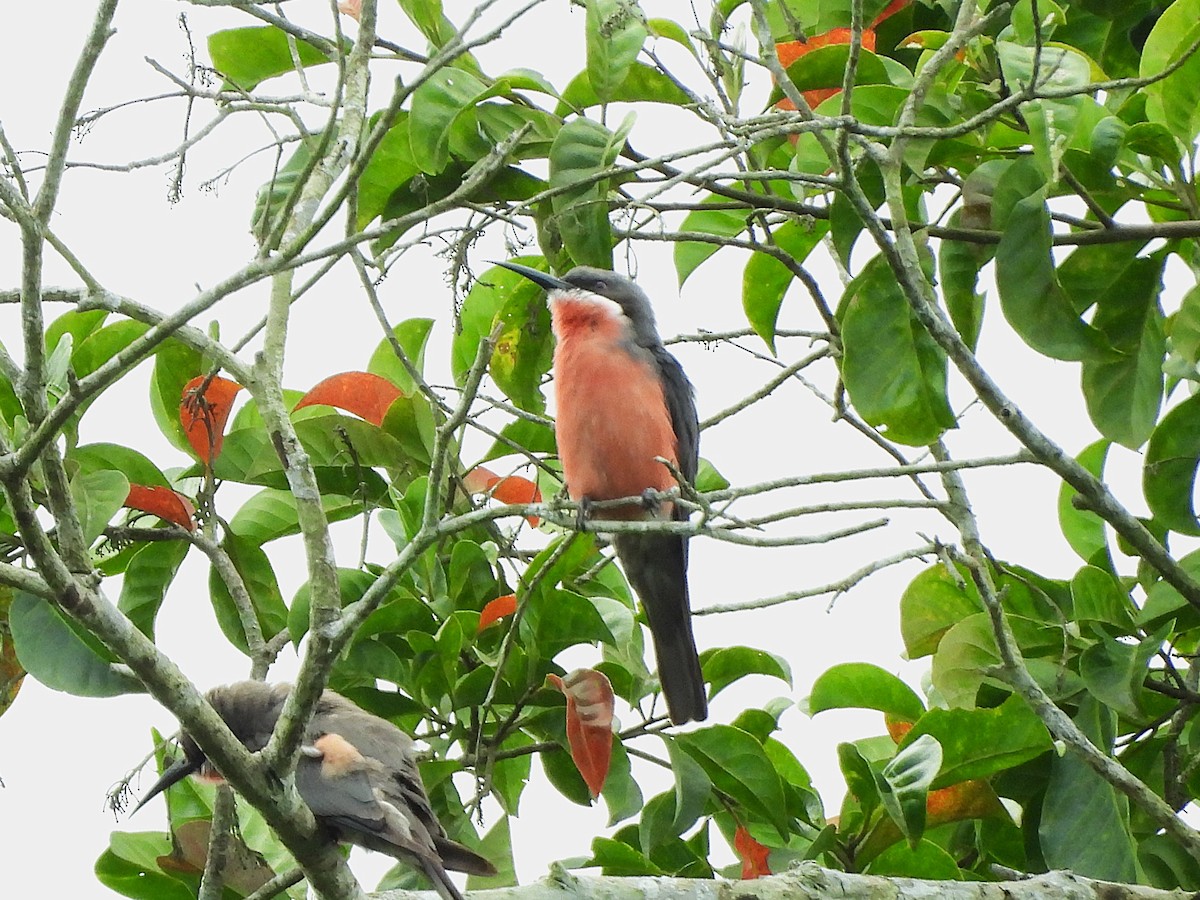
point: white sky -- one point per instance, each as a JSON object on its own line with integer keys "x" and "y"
{"x": 59, "y": 754}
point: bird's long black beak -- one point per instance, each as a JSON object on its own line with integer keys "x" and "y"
{"x": 541, "y": 279}
{"x": 175, "y": 773}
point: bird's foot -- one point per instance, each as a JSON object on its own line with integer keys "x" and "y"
{"x": 583, "y": 513}
{"x": 650, "y": 501}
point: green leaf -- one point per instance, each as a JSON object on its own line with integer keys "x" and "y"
{"x": 531, "y": 436}
{"x": 959, "y": 263}
{"x": 723, "y": 223}
{"x": 271, "y": 514}
{"x": 621, "y": 793}
{"x": 616, "y": 31}
{"x": 1030, "y": 295}
{"x": 129, "y": 866}
{"x": 1084, "y": 529}
{"x": 352, "y": 584}
{"x": 860, "y": 780}
{"x": 136, "y": 467}
{"x": 1169, "y": 473}
{"x": 581, "y": 151}
{"x": 50, "y": 651}
{"x": 341, "y": 448}
{"x": 98, "y": 496}
{"x": 737, "y": 765}
{"x": 412, "y": 335}
{"x": 904, "y": 784}
{"x": 1163, "y": 601}
{"x": 931, "y": 604}
{"x": 496, "y": 846}
{"x": 1167, "y": 865}
{"x": 436, "y": 104}
{"x": 391, "y": 166}
{"x": 175, "y": 364}
{"x": 1175, "y": 100}
{"x": 511, "y": 774}
{"x": 276, "y": 198}
{"x": 1051, "y": 122}
{"x": 1115, "y": 672}
{"x": 766, "y": 279}
{"x": 979, "y": 743}
{"x": 1105, "y": 848}
{"x": 894, "y": 372}
{"x": 925, "y": 860}
{"x": 557, "y": 619}
{"x": 825, "y": 67}
{"x": 618, "y": 858}
{"x": 562, "y": 773}
{"x": 103, "y": 344}
{"x": 1097, "y": 597}
{"x": 1124, "y": 391}
{"x": 643, "y": 84}
{"x": 708, "y": 478}
{"x": 693, "y": 787}
{"x": 864, "y": 686}
{"x": 255, "y": 568}
{"x": 147, "y": 578}
{"x": 524, "y": 346}
{"x": 725, "y": 665}
{"x": 247, "y": 56}
{"x": 965, "y": 653}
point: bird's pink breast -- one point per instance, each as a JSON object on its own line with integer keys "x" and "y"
{"x": 612, "y": 419}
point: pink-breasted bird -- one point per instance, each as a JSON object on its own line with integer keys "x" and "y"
{"x": 356, "y": 772}
{"x": 623, "y": 400}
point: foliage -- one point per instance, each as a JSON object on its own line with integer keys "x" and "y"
{"x": 1057, "y": 139}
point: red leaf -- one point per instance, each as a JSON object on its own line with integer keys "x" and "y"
{"x": 497, "y": 609}
{"x": 367, "y": 396}
{"x": 589, "y": 723}
{"x": 204, "y": 412}
{"x": 506, "y": 489}
{"x": 752, "y": 853}
{"x": 164, "y": 503}
{"x": 790, "y": 51}
{"x": 890, "y": 10}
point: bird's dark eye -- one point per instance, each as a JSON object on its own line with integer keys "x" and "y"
{"x": 601, "y": 285}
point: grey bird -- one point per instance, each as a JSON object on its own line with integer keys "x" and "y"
{"x": 356, "y": 772}
{"x": 622, "y": 401}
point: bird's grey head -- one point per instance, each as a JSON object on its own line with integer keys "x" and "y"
{"x": 604, "y": 283}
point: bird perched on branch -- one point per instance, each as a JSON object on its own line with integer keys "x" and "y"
{"x": 622, "y": 402}
{"x": 356, "y": 772}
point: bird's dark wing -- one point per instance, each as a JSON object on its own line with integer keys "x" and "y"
{"x": 681, "y": 404}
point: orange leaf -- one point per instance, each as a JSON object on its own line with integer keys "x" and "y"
{"x": 506, "y": 489}
{"x": 888, "y": 11}
{"x": 752, "y": 853}
{"x": 164, "y": 503}
{"x": 965, "y": 800}
{"x": 589, "y": 723}
{"x": 790, "y": 51}
{"x": 497, "y": 609}
{"x": 204, "y": 412}
{"x": 367, "y": 396}
{"x": 897, "y": 728}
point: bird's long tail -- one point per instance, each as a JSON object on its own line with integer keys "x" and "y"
{"x": 656, "y": 566}
{"x": 441, "y": 881}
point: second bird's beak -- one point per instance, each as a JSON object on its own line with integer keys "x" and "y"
{"x": 175, "y": 773}
{"x": 541, "y": 279}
